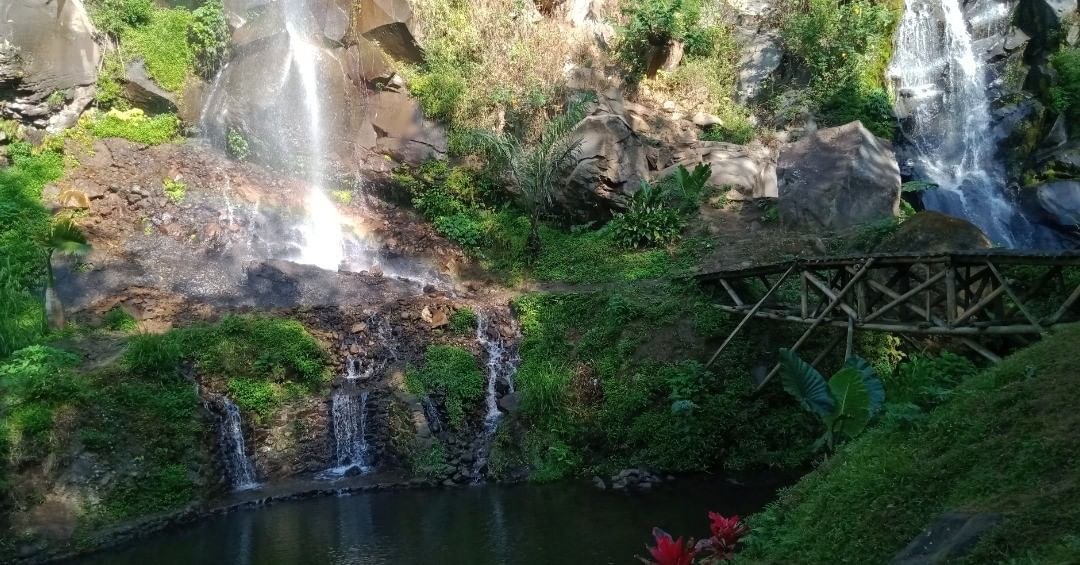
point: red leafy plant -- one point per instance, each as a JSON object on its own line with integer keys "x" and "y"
{"x": 726, "y": 533}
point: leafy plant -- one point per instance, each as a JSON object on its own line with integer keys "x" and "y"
{"x": 114, "y": 16}
{"x": 133, "y": 125}
{"x": 648, "y": 221}
{"x": 118, "y": 319}
{"x": 535, "y": 170}
{"x": 463, "y": 321}
{"x": 208, "y": 38}
{"x": 236, "y": 145}
{"x": 66, "y": 239}
{"x": 162, "y": 45}
{"x": 845, "y": 403}
{"x": 342, "y": 196}
{"x": 652, "y": 24}
{"x": 453, "y": 373}
{"x": 1065, "y": 91}
{"x": 174, "y": 189}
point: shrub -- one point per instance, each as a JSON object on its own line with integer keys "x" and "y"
{"x": 208, "y": 38}
{"x": 463, "y": 321}
{"x": 462, "y": 228}
{"x": 109, "y": 93}
{"x": 342, "y": 196}
{"x": 454, "y": 373}
{"x": 739, "y": 131}
{"x": 115, "y": 16}
{"x": 257, "y": 397}
{"x": 648, "y": 221}
{"x": 174, "y": 189}
{"x": 650, "y": 24}
{"x": 134, "y": 125}
{"x": 118, "y": 319}
{"x": 163, "y": 46}
{"x": 1065, "y": 92}
{"x": 236, "y": 145}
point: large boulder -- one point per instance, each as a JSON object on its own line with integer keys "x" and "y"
{"x": 612, "y": 162}
{"x": 389, "y": 24}
{"x": 402, "y": 130}
{"x": 1041, "y": 20}
{"x": 46, "y": 48}
{"x": 749, "y": 170}
{"x": 934, "y": 232}
{"x": 761, "y": 55}
{"x": 1060, "y": 203}
{"x": 836, "y": 178}
{"x": 143, "y": 92}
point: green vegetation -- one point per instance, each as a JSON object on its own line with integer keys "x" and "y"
{"x": 163, "y": 46}
{"x": 488, "y": 65}
{"x": 24, "y": 224}
{"x": 846, "y": 48}
{"x": 174, "y": 189}
{"x": 236, "y": 145}
{"x": 342, "y": 196}
{"x": 116, "y": 16}
{"x": 1065, "y": 91}
{"x": 452, "y": 372}
{"x": 208, "y": 38}
{"x": 463, "y": 321}
{"x": 428, "y": 461}
{"x": 846, "y": 403}
{"x": 109, "y": 92}
{"x": 999, "y": 441}
{"x": 652, "y": 24}
{"x": 657, "y": 213}
{"x": 119, "y": 320}
{"x": 133, "y": 125}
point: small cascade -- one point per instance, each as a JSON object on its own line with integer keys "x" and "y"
{"x": 502, "y": 362}
{"x": 231, "y": 437}
{"x": 945, "y": 117}
{"x": 349, "y": 412}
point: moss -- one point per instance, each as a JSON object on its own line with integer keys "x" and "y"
{"x": 452, "y": 372}
{"x": 133, "y": 125}
{"x": 1002, "y": 441}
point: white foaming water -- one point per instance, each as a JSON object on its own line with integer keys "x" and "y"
{"x": 323, "y": 241}
{"x": 351, "y": 451}
{"x": 502, "y": 363}
{"x": 231, "y": 435}
{"x": 942, "y": 91}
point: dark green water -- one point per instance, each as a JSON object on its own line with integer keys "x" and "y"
{"x": 526, "y": 524}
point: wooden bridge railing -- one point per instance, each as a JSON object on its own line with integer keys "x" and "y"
{"x": 969, "y": 296}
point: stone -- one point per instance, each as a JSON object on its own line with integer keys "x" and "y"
{"x": 934, "y": 232}
{"x": 703, "y": 120}
{"x": 761, "y": 56}
{"x": 1041, "y": 19}
{"x": 599, "y": 483}
{"x": 359, "y": 327}
{"x": 403, "y": 131}
{"x": 369, "y": 64}
{"x": 144, "y": 93}
{"x": 750, "y": 170}
{"x": 611, "y": 164}
{"x": 510, "y": 402}
{"x": 951, "y": 536}
{"x": 836, "y": 178}
{"x": 46, "y": 47}
{"x": 388, "y": 23}
{"x": 669, "y": 106}
{"x": 1060, "y": 203}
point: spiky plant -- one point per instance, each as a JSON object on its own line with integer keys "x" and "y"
{"x": 535, "y": 169}
{"x": 66, "y": 238}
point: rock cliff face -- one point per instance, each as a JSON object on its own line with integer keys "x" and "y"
{"x": 48, "y": 62}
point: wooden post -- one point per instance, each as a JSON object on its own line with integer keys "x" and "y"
{"x": 750, "y": 314}
{"x": 1008, "y": 290}
{"x": 821, "y": 317}
{"x": 950, "y": 293}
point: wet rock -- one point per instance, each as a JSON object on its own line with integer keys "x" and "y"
{"x": 837, "y": 178}
{"x": 599, "y": 483}
{"x": 1060, "y": 203}
{"x": 510, "y": 402}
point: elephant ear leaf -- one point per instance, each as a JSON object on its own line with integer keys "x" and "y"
{"x": 806, "y": 384}
{"x": 852, "y": 410}
{"x": 872, "y": 382}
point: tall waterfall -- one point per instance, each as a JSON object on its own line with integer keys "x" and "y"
{"x": 502, "y": 362}
{"x": 231, "y": 437}
{"x": 349, "y": 412}
{"x": 945, "y": 118}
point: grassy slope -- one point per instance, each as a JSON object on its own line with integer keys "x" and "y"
{"x": 1005, "y": 442}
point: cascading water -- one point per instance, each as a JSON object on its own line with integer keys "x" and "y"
{"x": 349, "y": 412}
{"x": 502, "y": 362}
{"x": 231, "y": 437}
{"x": 945, "y": 119}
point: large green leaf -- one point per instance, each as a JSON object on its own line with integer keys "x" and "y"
{"x": 806, "y": 384}
{"x": 852, "y": 410}
{"x": 871, "y": 380}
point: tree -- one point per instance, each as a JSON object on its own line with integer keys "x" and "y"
{"x": 536, "y": 169}
{"x": 63, "y": 237}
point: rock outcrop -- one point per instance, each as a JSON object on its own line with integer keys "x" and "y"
{"x": 1060, "y": 204}
{"x": 388, "y": 23}
{"x": 837, "y": 178}
{"x": 48, "y": 62}
{"x": 612, "y": 163}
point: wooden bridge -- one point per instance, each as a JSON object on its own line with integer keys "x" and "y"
{"x": 976, "y": 297}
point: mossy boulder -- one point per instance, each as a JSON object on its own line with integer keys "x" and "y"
{"x": 934, "y": 232}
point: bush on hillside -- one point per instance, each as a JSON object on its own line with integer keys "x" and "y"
{"x": 115, "y": 16}
{"x": 208, "y": 38}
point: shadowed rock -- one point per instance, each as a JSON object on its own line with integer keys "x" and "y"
{"x": 934, "y": 232}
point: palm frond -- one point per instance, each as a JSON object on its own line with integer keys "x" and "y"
{"x": 66, "y": 238}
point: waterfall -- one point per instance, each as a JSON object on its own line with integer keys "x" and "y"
{"x": 349, "y": 413}
{"x": 945, "y": 119}
{"x": 231, "y": 437}
{"x": 502, "y": 362}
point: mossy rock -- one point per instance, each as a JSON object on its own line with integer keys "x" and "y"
{"x": 934, "y": 232}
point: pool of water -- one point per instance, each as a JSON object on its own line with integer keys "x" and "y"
{"x": 517, "y": 524}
